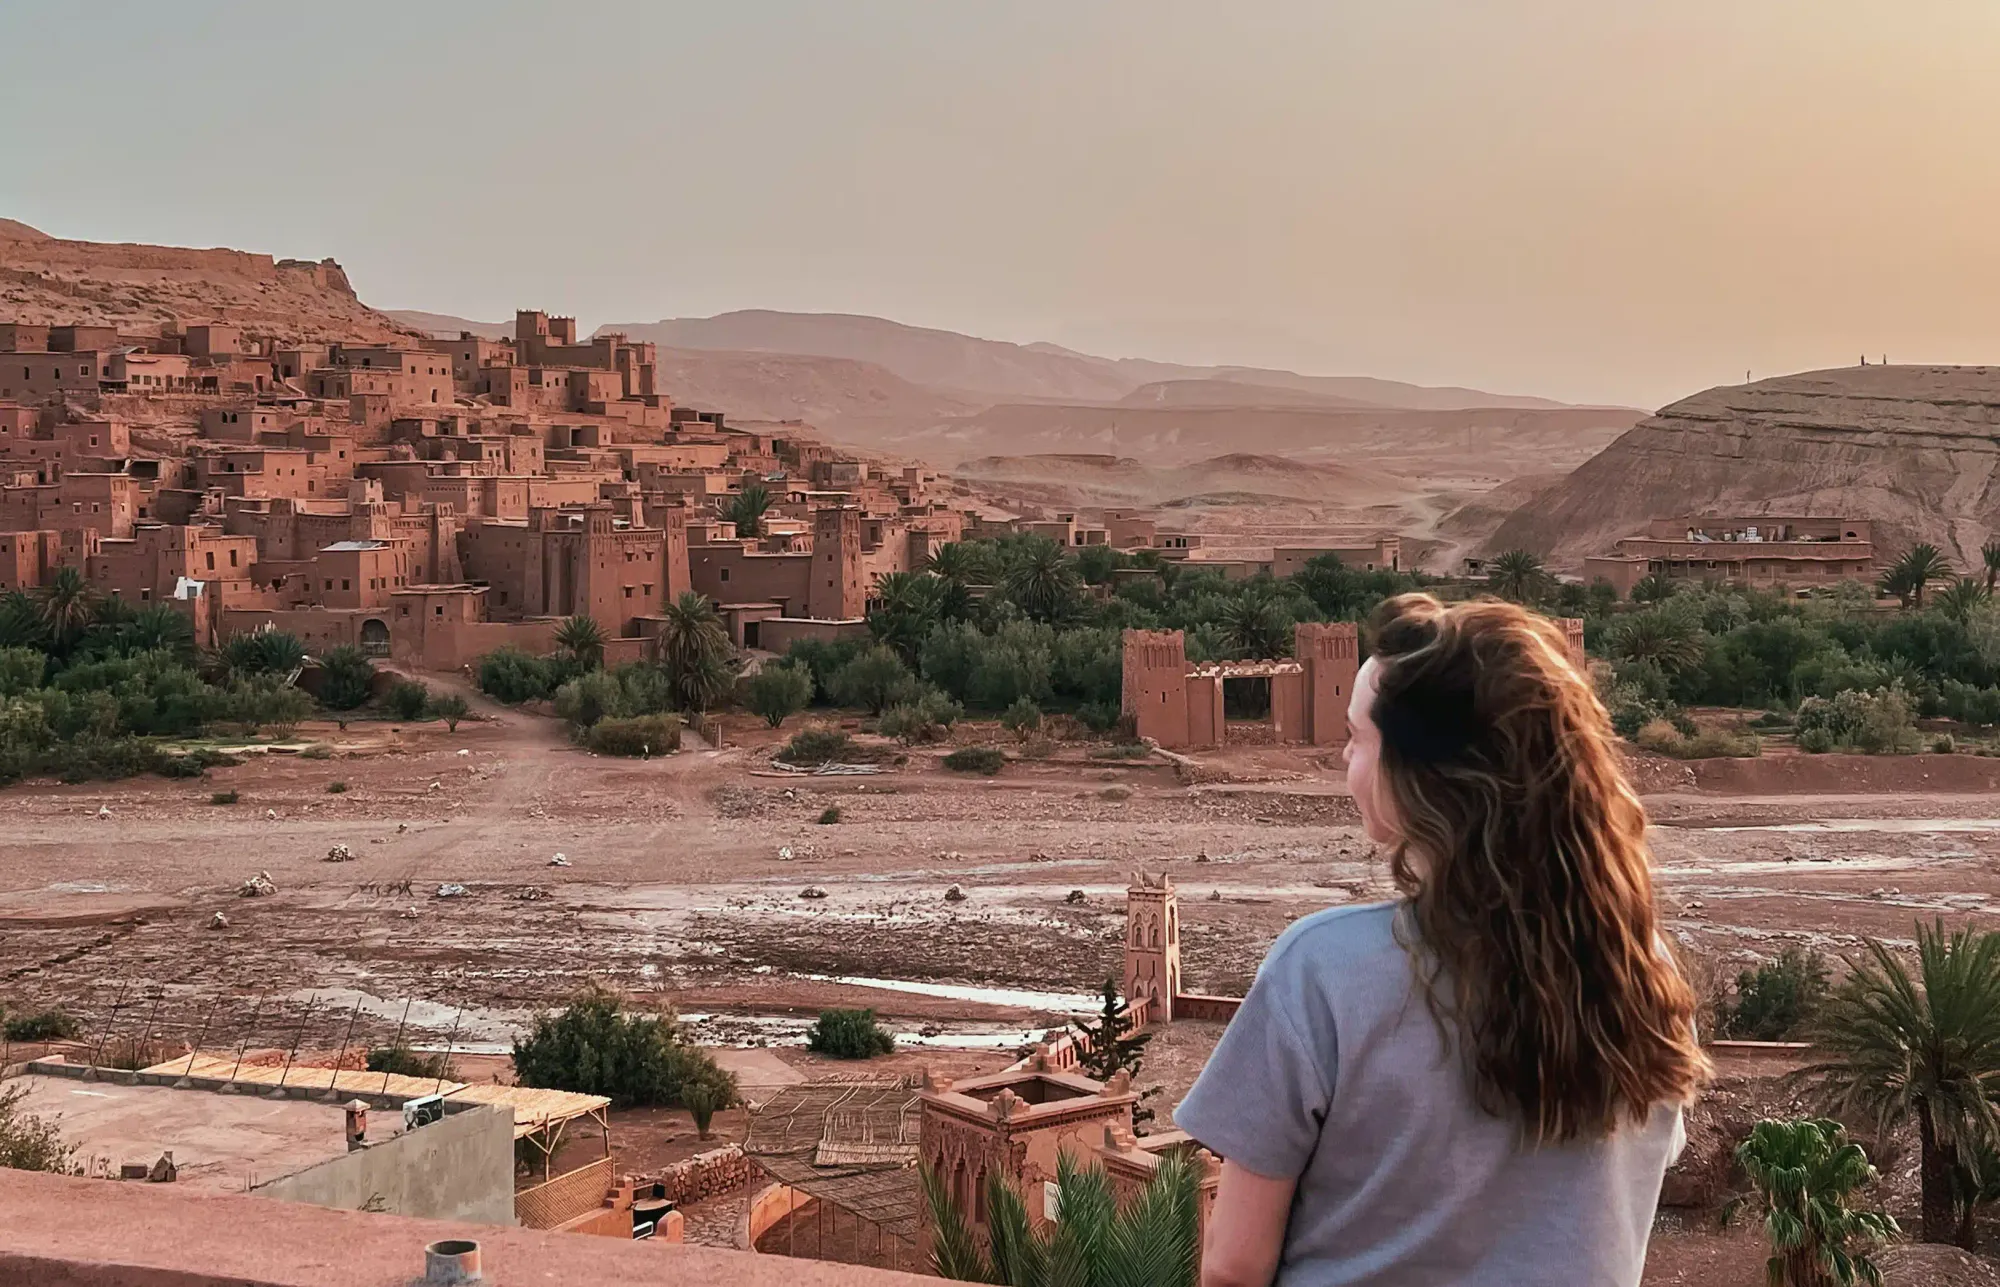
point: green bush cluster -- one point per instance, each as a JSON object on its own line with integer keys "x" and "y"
{"x": 927, "y": 717}
{"x": 819, "y": 744}
{"x": 1778, "y": 1000}
{"x": 849, "y": 1034}
{"x": 638, "y": 735}
{"x": 596, "y": 1047}
{"x": 42, "y": 1025}
{"x": 1872, "y": 723}
{"x": 976, "y": 759}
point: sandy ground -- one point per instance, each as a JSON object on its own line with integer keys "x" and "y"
{"x": 679, "y": 889}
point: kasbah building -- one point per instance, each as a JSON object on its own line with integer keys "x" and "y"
{"x": 428, "y": 501}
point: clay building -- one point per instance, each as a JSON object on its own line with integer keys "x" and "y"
{"x": 570, "y": 562}
{"x": 1761, "y": 551}
{"x": 825, "y": 582}
{"x": 151, "y": 565}
{"x": 1180, "y": 705}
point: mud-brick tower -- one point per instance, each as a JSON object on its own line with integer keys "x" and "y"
{"x": 1152, "y": 946}
{"x": 1572, "y": 628}
{"x": 1155, "y": 693}
{"x": 1331, "y": 655}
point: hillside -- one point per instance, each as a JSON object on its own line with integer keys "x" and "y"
{"x": 137, "y": 288}
{"x": 1093, "y": 481}
{"x": 1231, "y": 393}
{"x": 862, "y": 403}
{"x": 446, "y": 327}
{"x": 1003, "y": 371}
{"x": 1910, "y": 447}
{"x": 1472, "y": 447}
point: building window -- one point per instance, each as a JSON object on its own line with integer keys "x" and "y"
{"x": 440, "y": 610}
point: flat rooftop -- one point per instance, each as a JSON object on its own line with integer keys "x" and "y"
{"x": 220, "y": 1143}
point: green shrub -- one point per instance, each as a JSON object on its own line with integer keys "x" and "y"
{"x": 405, "y": 1062}
{"x": 512, "y": 676}
{"x": 317, "y": 751}
{"x": 1664, "y": 738}
{"x": 1778, "y": 1000}
{"x": 849, "y": 1034}
{"x": 451, "y": 708}
{"x": 336, "y": 788}
{"x": 819, "y": 744}
{"x": 777, "y": 692}
{"x": 224, "y": 797}
{"x": 703, "y": 1099}
{"x": 409, "y": 699}
{"x": 43, "y": 1025}
{"x": 29, "y": 1142}
{"x": 976, "y": 759}
{"x": 1944, "y": 744}
{"x": 1874, "y": 723}
{"x": 595, "y": 1047}
{"x": 875, "y": 680}
{"x": 1816, "y": 741}
{"x": 639, "y": 735}
{"x": 592, "y": 697}
{"x": 345, "y": 679}
{"x": 1023, "y": 719}
{"x": 928, "y": 718}
{"x": 829, "y": 815}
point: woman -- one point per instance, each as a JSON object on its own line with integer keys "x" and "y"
{"x": 1480, "y": 1083}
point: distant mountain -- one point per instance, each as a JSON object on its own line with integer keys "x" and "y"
{"x": 1003, "y": 371}
{"x": 444, "y": 326}
{"x": 1232, "y": 393}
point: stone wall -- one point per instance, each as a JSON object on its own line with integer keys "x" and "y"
{"x": 720, "y": 1170}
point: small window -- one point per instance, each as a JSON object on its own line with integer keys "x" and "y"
{"x": 211, "y": 560}
{"x": 440, "y": 610}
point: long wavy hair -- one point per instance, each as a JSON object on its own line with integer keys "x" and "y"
{"x": 1523, "y": 856}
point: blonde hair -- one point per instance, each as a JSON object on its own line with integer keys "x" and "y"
{"x": 1532, "y": 903}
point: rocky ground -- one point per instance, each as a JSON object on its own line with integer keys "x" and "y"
{"x": 683, "y": 879}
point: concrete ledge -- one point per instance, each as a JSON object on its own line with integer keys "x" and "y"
{"x": 64, "y": 1232}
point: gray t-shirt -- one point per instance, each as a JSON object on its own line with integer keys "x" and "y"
{"x": 1335, "y": 1072}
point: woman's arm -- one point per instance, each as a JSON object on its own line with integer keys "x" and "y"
{"x": 1246, "y": 1230}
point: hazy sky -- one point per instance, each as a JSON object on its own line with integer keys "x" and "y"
{"x": 1589, "y": 199}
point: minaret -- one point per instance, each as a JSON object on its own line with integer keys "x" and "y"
{"x": 1152, "y": 945}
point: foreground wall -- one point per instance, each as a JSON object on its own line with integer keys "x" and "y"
{"x": 460, "y": 1168}
{"x": 62, "y": 1232}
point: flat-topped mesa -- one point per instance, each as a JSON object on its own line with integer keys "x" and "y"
{"x": 1912, "y": 449}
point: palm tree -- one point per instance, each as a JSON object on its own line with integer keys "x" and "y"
{"x": 1989, "y": 554}
{"x": 1926, "y": 1048}
{"x": 746, "y": 509}
{"x": 1094, "y": 1243}
{"x": 1652, "y": 588}
{"x": 908, "y": 605}
{"x": 1517, "y": 575}
{"x": 66, "y": 606}
{"x": 1920, "y": 565}
{"x": 1962, "y": 598}
{"x": 582, "y": 638}
{"x": 1042, "y": 579}
{"x": 960, "y": 563}
{"x": 693, "y": 647}
{"x": 1804, "y": 1173}
{"x": 1667, "y": 639}
{"x": 1901, "y": 582}
{"x": 1253, "y": 626}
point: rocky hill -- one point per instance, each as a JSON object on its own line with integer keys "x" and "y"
{"x": 1913, "y": 448}
{"x": 138, "y": 288}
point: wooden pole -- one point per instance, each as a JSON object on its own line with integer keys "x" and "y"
{"x": 104, "y": 1034}
{"x": 200, "y": 1037}
{"x": 243, "y": 1048}
{"x": 278, "y": 1091}
{"x": 445, "y": 1065}
{"x": 333, "y": 1082}
{"x": 397, "y": 1044}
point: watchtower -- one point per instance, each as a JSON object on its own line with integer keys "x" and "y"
{"x": 1152, "y": 946}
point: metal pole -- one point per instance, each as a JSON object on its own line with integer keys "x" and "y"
{"x": 445, "y": 1066}
{"x": 198, "y": 1039}
{"x": 333, "y": 1082}
{"x": 397, "y": 1044}
{"x": 278, "y": 1091}
{"x": 229, "y": 1087}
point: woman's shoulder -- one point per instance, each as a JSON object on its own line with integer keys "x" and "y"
{"x": 1350, "y": 936}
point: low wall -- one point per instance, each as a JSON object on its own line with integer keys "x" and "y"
{"x": 1193, "y": 1005}
{"x": 720, "y": 1170}
{"x": 69, "y": 1232}
{"x": 563, "y": 1199}
{"x": 459, "y": 1168}
{"x": 776, "y": 634}
{"x": 771, "y": 1204}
